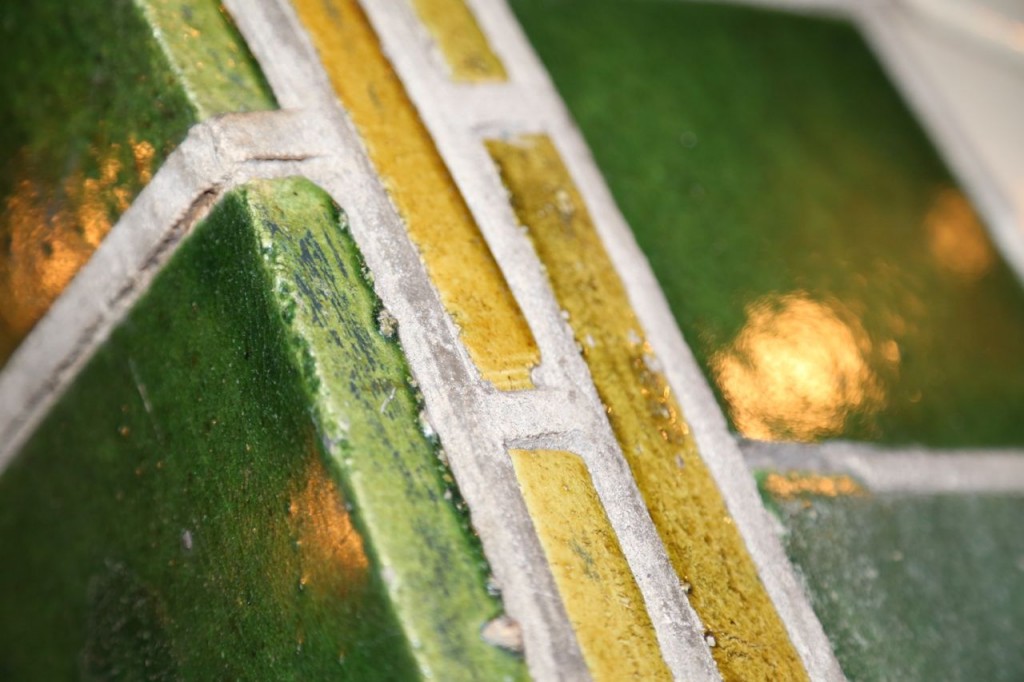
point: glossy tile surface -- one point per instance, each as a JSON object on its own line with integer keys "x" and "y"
{"x": 829, "y": 275}
{"x": 913, "y": 587}
{"x": 458, "y": 260}
{"x": 686, "y": 506}
{"x": 237, "y": 485}
{"x": 94, "y": 97}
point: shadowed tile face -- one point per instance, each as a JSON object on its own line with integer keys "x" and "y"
{"x": 829, "y": 275}
{"x": 912, "y": 587}
{"x": 237, "y": 485}
{"x": 94, "y": 97}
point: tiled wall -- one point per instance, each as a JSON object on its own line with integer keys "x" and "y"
{"x": 361, "y": 369}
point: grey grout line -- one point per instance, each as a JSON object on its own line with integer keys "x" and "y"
{"x": 215, "y": 156}
{"x": 702, "y": 412}
{"x": 677, "y": 626}
{"x": 485, "y": 195}
{"x": 913, "y": 470}
{"x": 452, "y": 390}
{"x": 476, "y": 422}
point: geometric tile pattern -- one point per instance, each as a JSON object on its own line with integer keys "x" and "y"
{"x": 379, "y": 384}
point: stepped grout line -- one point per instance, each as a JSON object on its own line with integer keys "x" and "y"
{"x": 215, "y": 156}
{"x": 405, "y": 43}
{"x": 452, "y": 390}
{"x": 679, "y": 630}
{"x": 716, "y": 444}
{"x": 915, "y": 470}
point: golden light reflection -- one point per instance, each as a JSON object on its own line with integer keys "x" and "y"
{"x": 47, "y": 233}
{"x": 798, "y": 484}
{"x": 956, "y": 238}
{"x": 333, "y": 558}
{"x": 797, "y": 370}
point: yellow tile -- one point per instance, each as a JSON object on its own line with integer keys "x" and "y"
{"x": 462, "y": 43}
{"x": 688, "y": 510}
{"x": 457, "y": 258}
{"x": 601, "y": 598}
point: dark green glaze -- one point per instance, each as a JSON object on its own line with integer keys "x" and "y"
{"x": 95, "y": 95}
{"x": 776, "y": 181}
{"x": 176, "y": 515}
{"x": 915, "y": 588}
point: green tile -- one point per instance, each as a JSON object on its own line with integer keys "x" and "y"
{"x": 95, "y": 95}
{"x": 818, "y": 257}
{"x": 237, "y": 486}
{"x": 914, "y": 588}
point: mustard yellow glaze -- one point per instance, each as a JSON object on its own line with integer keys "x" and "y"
{"x": 457, "y": 258}
{"x": 801, "y": 484}
{"x": 601, "y": 598}
{"x": 705, "y": 547}
{"x": 463, "y": 44}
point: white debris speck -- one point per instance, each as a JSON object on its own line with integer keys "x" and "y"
{"x": 686, "y": 587}
{"x": 503, "y": 632}
{"x": 387, "y": 323}
{"x": 710, "y": 639}
{"x": 564, "y": 203}
{"x": 426, "y": 427}
{"x": 186, "y": 540}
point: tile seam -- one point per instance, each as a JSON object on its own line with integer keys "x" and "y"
{"x": 450, "y": 387}
{"x": 509, "y": 103}
{"x": 486, "y": 197}
{"x": 207, "y": 163}
{"x": 679, "y": 630}
{"x": 713, "y": 438}
{"x": 913, "y": 470}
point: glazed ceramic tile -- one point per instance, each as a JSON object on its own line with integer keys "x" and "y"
{"x": 706, "y": 549}
{"x": 458, "y": 36}
{"x": 830, "y": 276}
{"x": 456, "y": 256}
{"x": 95, "y": 97}
{"x": 911, "y": 587}
{"x": 595, "y": 582}
{"x": 238, "y": 484}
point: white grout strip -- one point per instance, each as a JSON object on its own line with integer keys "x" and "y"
{"x": 476, "y": 422}
{"x": 442, "y": 107}
{"x": 454, "y": 394}
{"x": 699, "y": 406}
{"x": 215, "y": 156}
{"x": 918, "y": 470}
